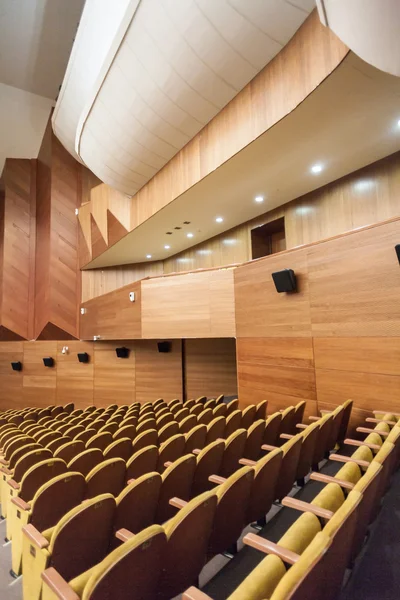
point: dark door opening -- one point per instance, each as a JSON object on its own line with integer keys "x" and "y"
{"x": 268, "y": 239}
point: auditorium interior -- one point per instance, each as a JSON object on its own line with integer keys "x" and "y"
{"x": 199, "y": 299}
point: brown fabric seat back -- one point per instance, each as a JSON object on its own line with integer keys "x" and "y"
{"x": 215, "y": 430}
{"x": 147, "y": 438}
{"x": 220, "y": 410}
{"x": 309, "y": 439}
{"x": 63, "y": 428}
{"x": 170, "y": 451}
{"x": 137, "y": 504}
{"x": 197, "y": 409}
{"x": 143, "y": 461}
{"x": 15, "y": 456}
{"x": 181, "y": 414}
{"x": 335, "y": 429}
{"x": 86, "y": 435}
{"x": 288, "y": 471}
{"x": 83, "y": 540}
{"x": 40, "y": 474}
{"x": 205, "y": 417}
{"x": 288, "y": 421}
{"x": 119, "y": 449}
{"x": 109, "y": 428}
{"x": 261, "y": 410}
{"x": 100, "y": 441}
{"x": 321, "y": 444}
{"x": 299, "y": 412}
{"x": 208, "y": 463}
{"x": 248, "y": 416}
{"x": 272, "y": 427}
{"x": 345, "y": 420}
{"x": 187, "y": 423}
{"x": 230, "y": 516}
{"x": 188, "y": 534}
{"x": 263, "y": 489}
{"x": 28, "y": 460}
{"x": 69, "y": 450}
{"x": 61, "y": 495}
{"x": 196, "y": 438}
{"x": 57, "y": 443}
{"x": 128, "y": 431}
{"x": 129, "y": 421}
{"x": 232, "y": 406}
{"x": 234, "y": 451}
{"x": 146, "y": 425}
{"x": 85, "y": 461}
{"x": 165, "y": 418}
{"x": 106, "y": 478}
{"x": 255, "y": 434}
{"x": 176, "y": 481}
{"x": 57, "y": 410}
{"x": 14, "y": 445}
{"x": 8, "y": 435}
{"x": 167, "y": 431}
{"x": 74, "y": 430}
{"x": 233, "y": 422}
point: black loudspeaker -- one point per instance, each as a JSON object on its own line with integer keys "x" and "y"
{"x": 164, "y": 346}
{"x": 285, "y": 281}
{"x": 122, "y": 352}
{"x": 48, "y": 362}
{"x": 397, "y": 248}
{"x": 16, "y": 366}
{"x": 83, "y": 357}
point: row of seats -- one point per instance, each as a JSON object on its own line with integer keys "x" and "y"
{"x": 265, "y": 475}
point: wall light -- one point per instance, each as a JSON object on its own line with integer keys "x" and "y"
{"x": 316, "y": 168}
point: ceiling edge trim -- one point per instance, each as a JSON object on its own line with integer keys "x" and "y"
{"x": 107, "y": 64}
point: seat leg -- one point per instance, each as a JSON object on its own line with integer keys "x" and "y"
{"x": 231, "y": 551}
{"x": 260, "y": 523}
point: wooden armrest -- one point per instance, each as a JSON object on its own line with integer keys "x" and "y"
{"x": 21, "y": 503}
{"x": 196, "y": 451}
{"x": 194, "y": 594}
{"x": 58, "y": 585}
{"x": 323, "y": 513}
{"x": 328, "y": 479}
{"x": 124, "y": 534}
{"x": 372, "y": 420}
{"x": 177, "y": 502}
{"x": 268, "y": 447}
{"x": 385, "y": 412}
{"x": 168, "y": 463}
{"x": 344, "y": 459}
{"x": 369, "y": 430}
{"x": 247, "y": 462}
{"x": 12, "y": 483}
{"x": 313, "y": 418}
{"x": 35, "y": 536}
{"x": 6, "y": 471}
{"x": 286, "y": 436}
{"x": 350, "y": 442}
{"x": 268, "y": 547}
{"x": 3, "y": 461}
{"x": 301, "y": 426}
{"x": 217, "y": 479}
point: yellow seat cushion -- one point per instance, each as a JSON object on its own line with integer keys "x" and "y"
{"x": 350, "y": 472}
{"x": 342, "y": 513}
{"x": 331, "y": 497}
{"x": 262, "y": 581}
{"x": 301, "y": 533}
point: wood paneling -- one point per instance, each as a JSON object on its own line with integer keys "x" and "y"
{"x": 39, "y": 382}
{"x": 114, "y": 378}
{"x": 11, "y": 381}
{"x": 17, "y": 248}
{"x": 362, "y": 354}
{"x": 57, "y": 276}
{"x": 272, "y": 314}
{"x": 158, "y": 374}
{"x": 189, "y": 305}
{"x": 113, "y": 316}
{"x": 74, "y": 379}
{"x": 210, "y": 367}
{"x": 309, "y": 57}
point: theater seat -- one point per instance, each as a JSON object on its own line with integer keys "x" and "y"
{"x": 69, "y": 450}
{"x": 170, "y": 450}
{"x": 233, "y": 422}
{"x": 147, "y": 438}
{"x": 141, "y": 462}
{"x": 208, "y": 462}
{"x": 167, "y": 431}
{"x": 215, "y": 429}
{"x": 233, "y": 452}
{"x": 272, "y": 427}
{"x": 248, "y": 416}
{"x": 195, "y": 438}
{"x": 263, "y": 491}
{"x": 85, "y": 461}
{"x": 255, "y": 434}
{"x": 108, "y": 477}
{"x": 177, "y": 481}
{"x": 121, "y": 448}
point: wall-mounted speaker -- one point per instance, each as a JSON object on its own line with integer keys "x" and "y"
{"x": 48, "y": 361}
{"x": 285, "y": 281}
{"x": 397, "y": 248}
{"x": 16, "y": 366}
{"x": 164, "y": 346}
{"x": 83, "y": 357}
{"x": 122, "y": 352}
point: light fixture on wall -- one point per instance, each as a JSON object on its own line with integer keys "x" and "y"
{"x": 285, "y": 281}
{"x": 83, "y": 357}
{"x": 65, "y": 350}
{"x": 16, "y": 366}
{"x": 48, "y": 361}
{"x": 122, "y": 352}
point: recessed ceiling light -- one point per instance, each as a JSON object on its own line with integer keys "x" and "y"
{"x": 259, "y": 198}
{"x": 316, "y": 169}
{"x": 398, "y": 123}
{"x": 219, "y": 220}
{"x": 167, "y": 247}
{"x": 189, "y": 235}
{"x": 148, "y": 255}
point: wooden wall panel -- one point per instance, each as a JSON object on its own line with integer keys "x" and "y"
{"x": 158, "y": 374}
{"x": 75, "y": 379}
{"x": 193, "y": 305}
{"x": 113, "y": 316}
{"x": 39, "y": 382}
{"x": 210, "y": 367}
{"x": 114, "y": 378}
{"x": 11, "y": 381}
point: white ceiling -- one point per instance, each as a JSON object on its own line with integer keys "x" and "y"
{"x": 162, "y": 70}
{"x": 349, "y": 121}
{"x": 36, "y": 37}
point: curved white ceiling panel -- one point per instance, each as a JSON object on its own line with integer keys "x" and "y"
{"x": 165, "y": 68}
{"x": 370, "y": 28}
